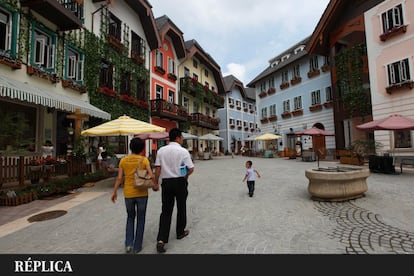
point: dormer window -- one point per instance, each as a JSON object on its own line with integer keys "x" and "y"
{"x": 285, "y": 57}
{"x": 299, "y": 49}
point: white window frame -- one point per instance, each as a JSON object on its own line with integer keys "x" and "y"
{"x": 297, "y": 102}
{"x": 399, "y": 72}
{"x": 159, "y": 59}
{"x": 171, "y": 66}
{"x": 171, "y": 96}
{"x": 8, "y": 26}
{"x": 272, "y": 110}
{"x": 264, "y": 112}
{"x": 396, "y": 19}
{"x": 328, "y": 94}
{"x": 75, "y": 65}
{"x": 313, "y": 63}
{"x": 286, "y": 106}
{"x": 159, "y": 92}
{"x": 316, "y": 97}
{"x": 44, "y": 50}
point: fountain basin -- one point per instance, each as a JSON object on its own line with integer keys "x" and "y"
{"x": 337, "y": 183}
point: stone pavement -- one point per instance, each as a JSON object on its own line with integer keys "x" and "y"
{"x": 279, "y": 219}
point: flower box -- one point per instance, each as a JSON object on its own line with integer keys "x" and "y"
{"x": 325, "y": 68}
{"x": 392, "y": 32}
{"x": 107, "y": 91}
{"x": 295, "y": 80}
{"x": 10, "y": 61}
{"x": 328, "y": 104}
{"x": 284, "y": 85}
{"x": 315, "y": 107}
{"x": 400, "y": 86}
{"x": 264, "y": 120}
{"x": 313, "y": 73}
{"x": 142, "y": 103}
{"x": 159, "y": 70}
{"x": 286, "y": 115}
{"x": 262, "y": 94}
{"x": 297, "y": 112}
{"x": 127, "y": 98}
{"x": 74, "y": 86}
{"x": 273, "y": 118}
{"x": 18, "y": 199}
{"x": 115, "y": 42}
{"x": 271, "y": 91}
{"x": 171, "y": 76}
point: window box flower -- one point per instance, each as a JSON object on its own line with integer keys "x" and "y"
{"x": 328, "y": 104}
{"x": 263, "y": 94}
{"x": 286, "y": 114}
{"x": 315, "y": 107}
{"x": 297, "y": 112}
{"x": 171, "y": 76}
{"x": 284, "y": 85}
{"x": 107, "y": 91}
{"x": 264, "y": 120}
{"x": 295, "y": 80}
{"x": 273, "y": 118}
{"x": 271, "y": 91}
{"x": 325, "y": 68}
{"x": 159, "y": 70}
{"x": 313, "y": 73}
{"x": 127, "y": 98}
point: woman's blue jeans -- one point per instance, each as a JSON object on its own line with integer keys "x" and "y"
{"x": 136, "y": 207}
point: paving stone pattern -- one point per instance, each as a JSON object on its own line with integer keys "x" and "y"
{"x": 363, "y": 232}
{"x": 280, "y": 218}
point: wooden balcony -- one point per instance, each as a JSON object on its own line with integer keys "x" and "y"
{"x": 67, "y": 15}
{"x": 163, "y": 109}
{"x": 202, "y": 120}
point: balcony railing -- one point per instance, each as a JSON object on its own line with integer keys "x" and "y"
{"x": 164, "y": 109}
{"x": 202, "y": 120}
{"x": 67, "y": 15}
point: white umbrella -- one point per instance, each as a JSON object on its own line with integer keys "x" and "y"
{"x": 210, "y": 137}
{"x": 189, "y": 136}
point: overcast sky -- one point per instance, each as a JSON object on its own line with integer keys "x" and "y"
{"x": 242, "y": 36}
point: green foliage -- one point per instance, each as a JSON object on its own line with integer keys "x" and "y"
{"x": 362, "y": 148}
{"x": 349, "y": 70}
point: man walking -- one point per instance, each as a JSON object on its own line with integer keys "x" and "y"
{"x": 173, "y": 165}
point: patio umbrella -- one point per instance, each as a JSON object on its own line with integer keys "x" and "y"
{"x": 154, "y": 135}
{"x": 267, "y": 136}
{"x": 189, "y": 136}
{"x": 124, "y": 125}
{"x": 392, "y": 122}
{"x": 314, "y": 131}
{"x": 210, "y": 137}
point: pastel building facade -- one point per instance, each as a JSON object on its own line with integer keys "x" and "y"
{"x": 390, "y": 44}
{"x": 292, "y": 94}
{"x": 238, "y": 117}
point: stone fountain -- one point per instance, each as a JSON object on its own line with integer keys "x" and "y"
{"x": 337, "y": 183}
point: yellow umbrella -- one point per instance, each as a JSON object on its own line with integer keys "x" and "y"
{"x": 267, "y": 136}
{"x": 124, "y": 125}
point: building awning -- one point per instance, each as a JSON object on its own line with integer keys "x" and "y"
{"x": 15, "y": 89}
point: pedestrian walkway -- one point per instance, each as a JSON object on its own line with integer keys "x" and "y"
{"x": 279, "y": 219}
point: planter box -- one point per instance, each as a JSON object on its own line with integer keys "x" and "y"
{"x": 21, "y": 199}
{"x": 351, "y": 161}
